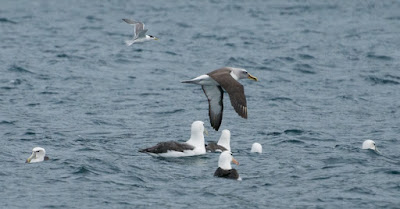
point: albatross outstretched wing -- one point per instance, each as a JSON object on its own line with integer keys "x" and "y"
{"x": 214, "y": 95}
{"x": 234, "y": 89}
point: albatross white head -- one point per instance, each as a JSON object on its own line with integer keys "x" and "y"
{"x": 225, "y": 160}
{"x": 239, "y": 73}
{"x": 38, "y": 155}
{"x": 369, "y": 144}
{"x": 225, "y": 139}
{"x": 197, "y": 135}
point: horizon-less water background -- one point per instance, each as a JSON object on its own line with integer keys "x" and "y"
{"x": 328, "y": 79}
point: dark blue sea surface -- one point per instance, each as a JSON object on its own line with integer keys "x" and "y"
{"x": 329, "y": 78}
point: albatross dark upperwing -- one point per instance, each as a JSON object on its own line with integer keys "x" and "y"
{"x": 234, "y": 89}
{"x": 214, "y": 94}
{"x": 164, "y": 147}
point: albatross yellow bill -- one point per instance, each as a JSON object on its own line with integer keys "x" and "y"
{"x": 252, "y": 77}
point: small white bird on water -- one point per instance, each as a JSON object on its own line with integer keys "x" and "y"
{"x": 139, "y": 33}
{"x": 256, "y": 147}
{"x": 369, "y": 144}
{"x": 38, "y": 155}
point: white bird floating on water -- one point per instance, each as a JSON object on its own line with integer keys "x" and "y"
{"x": 256, "y": 147}
{"x": 224, "y": 169}
{"x": 139, "y": 33}
{"x": 369, "y": 144}
{"x": 194, "y": 146}
{"x": 224, "y": 143}
{"x": 214, "y": 84}
{"x": 38, "y": 155}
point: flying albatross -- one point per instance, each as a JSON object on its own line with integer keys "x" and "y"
{"x": 38, "y": 155}
{"x": 223, "y": 143}
{"x": 139, "y": 33}
{"x": 214, "y": 84}
{"x": 194, "y": 146}
{"x": 224, "y": 169}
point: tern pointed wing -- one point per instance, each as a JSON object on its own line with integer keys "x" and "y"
{"x": 141, "y": 34}
{"x": 138, "y": 27}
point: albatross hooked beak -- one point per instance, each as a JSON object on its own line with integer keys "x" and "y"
{"x": 252, "y": 77}
{"x": 235, "y": 161}
{"x": 155, "y": 38}
{"x": 30, "y": 158}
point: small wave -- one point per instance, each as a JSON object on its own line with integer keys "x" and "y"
{"x": 18, "y": 69}
{"x": 379, "y": 57}
{"x": 274, "y": 133}
{"x": 312, "y": 31}
{"x": 29, "y": 133}
{"x": 376, "y": 80}
{"x": 392, "y": 76}
{"x": 63, "y": 55}
{"x": 321, "y": 178}
{"x": 239, "y": 62}
{"x": 171, "y": 53}
{"x": 5, "y": 20}
{"x": 93, "y": 18}
{"x": 83, "y": 170}
{"x": 171, "y": 112}
{"x": 393, "y": 172}
{"x": 280, "y": 99}
{"x": 149, "y": 94}
{"x": 125, "y": 61}
{"x": 201, "y": 36}
{"x": 304, "y": 68}
{"x": 393, "y": 18}
{"x": 5, "y": 122}
{"x": 48, "y": 92}
{"x": 292, "y": 141}
{"x": 306, "y": 56}
{"x": 91, "y": 28}
{"x": 362, "y": 190}
{"x": 7, "y": 88}
{"x": 287, "y": 59}
{"x": 183, "y": 25}
{"x": 230, "y": 45}
{"x": 293, "y": 131}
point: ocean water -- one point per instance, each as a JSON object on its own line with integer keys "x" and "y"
{"x": 328, "y": 80}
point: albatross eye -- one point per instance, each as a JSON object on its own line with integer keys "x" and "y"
{"x": 38, "y": 151}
